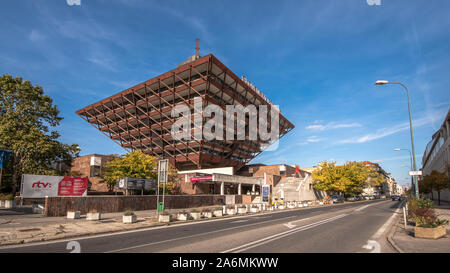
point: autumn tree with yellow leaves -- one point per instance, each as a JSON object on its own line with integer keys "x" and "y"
{"x": 349, "y": 178}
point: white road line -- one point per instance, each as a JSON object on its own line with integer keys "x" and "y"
{"x": 383, "y": 228}
{"x": 290, "y": 225}
{"x": 240, "y": 221}
{"x": 280, "y": 235}
{"x": 200, "y": 234}
{"x": 373, "y": 244}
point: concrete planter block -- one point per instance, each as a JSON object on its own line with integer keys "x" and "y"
{"x": 254, "y": 210}
{"x": 93, "y": 216}
{"x": 321, "y": 203}
{"x": 73, "y": 215}
{"x": 196, "y": 215}
{"x": 309, "y": 203}
{"x": 182, "y": 216}
{"x": 242, "y": 210}
{"x": 430, "y": 233}
{"x": 129, "y": 219}
{"x": 281, "y": 207}
{"x": 207, "y": 214}
{"x": 9, "y": 204}
{"x": 218, "y": 213}
{"x": 300, "y": 205}
{"x": 37, "y": 208}
{"x": 2, "y": 203}
{"x": 165, "y": 218}
{"x": 231, "y": 211}
{"x": 291, "y": 205}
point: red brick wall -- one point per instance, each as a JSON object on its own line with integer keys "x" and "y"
{"x": 82, "y": 165}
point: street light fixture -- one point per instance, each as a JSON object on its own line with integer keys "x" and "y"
{"x": 383, "y": 82}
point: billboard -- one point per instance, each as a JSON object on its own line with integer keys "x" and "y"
{"x": 40, "y": 186}
{"x": 132, "y": 183}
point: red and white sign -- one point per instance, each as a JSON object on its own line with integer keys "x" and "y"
{"x": 40, "y": 186}
{"x": 201, "y": 178}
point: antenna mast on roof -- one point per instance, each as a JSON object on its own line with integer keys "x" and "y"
{"x": 197, "y": 48}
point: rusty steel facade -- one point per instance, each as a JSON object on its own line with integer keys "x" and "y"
{"x": 140, "y": 117}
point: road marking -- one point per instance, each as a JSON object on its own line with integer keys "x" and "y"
{"x": 373, "y": 245}
{"x": 202, "y": 234}
{"x": 115, "y": 233}
{"x": 281, "y": 235}
{"x": 383, "y": 228}
{"x": 290, "y": 225}
{"x": 239, "y": 221}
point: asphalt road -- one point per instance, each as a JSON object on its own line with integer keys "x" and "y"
{"x": 351, "y": 227}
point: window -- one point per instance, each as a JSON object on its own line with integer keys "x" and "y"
{"x": 94, "y": 171}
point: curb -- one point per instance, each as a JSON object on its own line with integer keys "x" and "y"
{"x": 390, "y": 236}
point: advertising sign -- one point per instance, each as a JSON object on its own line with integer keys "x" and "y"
{"x": 265, "y": 193}
{"x": 201, "y": 178}
{"x": 4, "y": 156}
{"x": 40, "y": 186}
{"x": 132, "y": 183}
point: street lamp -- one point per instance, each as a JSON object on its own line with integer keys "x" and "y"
{"x": 383, "y": 82}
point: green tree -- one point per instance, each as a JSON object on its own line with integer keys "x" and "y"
{"x": 26, "y": 116}
{"x": 136, "y": 164}
{"x": 345, "y": 179}
{"x": 438, "y": 181}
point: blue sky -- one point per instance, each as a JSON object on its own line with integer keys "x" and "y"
{"x": 317, "y": 59}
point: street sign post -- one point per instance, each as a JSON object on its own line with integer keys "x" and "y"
{"x": 415, "y": 173}
{"x": 163, "y": 168}
{"x": 4, "y": 156}
{"x": 265, "y": 193}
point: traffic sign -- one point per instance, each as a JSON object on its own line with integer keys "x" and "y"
{"x": 415, "y": 173}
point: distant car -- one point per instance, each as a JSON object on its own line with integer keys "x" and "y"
{"x": 351, "y": 198}
{"x": 337, "y": 199}
{"x": 396, "y": 198}
{"x": 377, "y": 196}
{"x": 359, "y": 198}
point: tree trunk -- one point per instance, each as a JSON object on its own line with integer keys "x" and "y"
{"x": 16, "y": 173}
{"x": 439, "y": 198}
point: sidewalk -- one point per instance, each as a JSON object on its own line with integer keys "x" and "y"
{"x": 19, "y": 228}
{"x": 405, "y": 241}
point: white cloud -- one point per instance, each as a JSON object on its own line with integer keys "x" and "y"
{"x": 311, "y": 139}
{"x": 387, "y": 131}
{"x": 35, "y": 36}
{"x": 331, "y": 125}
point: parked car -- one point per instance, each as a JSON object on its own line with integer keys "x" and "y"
{"x": 358, "y": 198}
{"x": 351, "y": 198}
{"x": 337, "y": 199}
{"x": 396, "y": 198}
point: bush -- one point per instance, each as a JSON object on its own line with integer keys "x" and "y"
{"x": 422, "y": 213}
{"x": 93, "y": 211}
{"x": 206, "y": 210}
{"x": 128, "y": 213}
{"x": 194, "y": 211}
{"x": 218, "y": 208}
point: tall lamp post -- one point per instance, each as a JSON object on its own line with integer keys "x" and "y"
{"x": 416, "y": 188}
